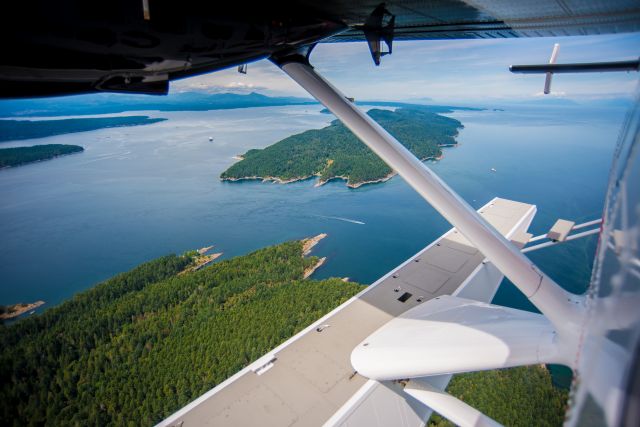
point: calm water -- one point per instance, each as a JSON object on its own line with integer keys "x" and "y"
{"x": 141, "y": 192}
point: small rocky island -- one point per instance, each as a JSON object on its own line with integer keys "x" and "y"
{"x": 335, "y": 153}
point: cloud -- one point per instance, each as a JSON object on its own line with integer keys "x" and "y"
{"x": 240, "y": 85}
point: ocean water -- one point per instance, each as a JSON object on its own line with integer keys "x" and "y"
{"x": 141, "y": 192}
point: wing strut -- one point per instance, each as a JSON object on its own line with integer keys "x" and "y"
{"x": 563, "y": 309}
{"x": 452, "y": 408}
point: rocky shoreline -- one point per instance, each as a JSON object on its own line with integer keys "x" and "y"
{"x": 321, "y": 182}
{"x": 307, "y": 245}
{"x": 13, "y": 311}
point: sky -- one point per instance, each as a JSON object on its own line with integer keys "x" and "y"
{"x": 444, "y": 71}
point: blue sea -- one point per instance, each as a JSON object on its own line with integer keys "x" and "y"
{"x": 138, "y": 193}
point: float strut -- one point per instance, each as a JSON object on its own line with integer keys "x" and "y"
{"x": 563, "y": 309}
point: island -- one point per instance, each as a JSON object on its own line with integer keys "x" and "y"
{"x": 13, "y": 130}
{"x": 139, "y": 346}
{"x": 146, "y": 342}
{"x": 12, "y": 311}
{"x": 17, "y": 156}
{"x": 335, "y": 153}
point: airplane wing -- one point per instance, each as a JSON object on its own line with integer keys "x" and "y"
{"x": 480, "y": 19}
{"x": 68, "y": 46}
{"x": 309, "y": 379}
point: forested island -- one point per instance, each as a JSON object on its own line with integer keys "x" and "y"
{"x": 13, "y": 130}
{"x": 22, "y": 155}
{"x": 141, "y": 345}
{"x": 334, "y": 152}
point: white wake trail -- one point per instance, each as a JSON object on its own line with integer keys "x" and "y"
{"x": 338, "y": 218}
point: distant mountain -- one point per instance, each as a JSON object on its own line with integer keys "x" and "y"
{"x": 105, "y": 103}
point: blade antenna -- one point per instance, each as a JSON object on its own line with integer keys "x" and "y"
{"x": 378, "y": 27}
{"x": 552, "y": 60}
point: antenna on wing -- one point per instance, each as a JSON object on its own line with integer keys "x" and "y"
{"x": 552, "y": 60}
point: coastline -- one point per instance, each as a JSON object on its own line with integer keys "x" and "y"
{"x": 204, "y": 250}
{"x": 273, "y": 179}
{"x": 321, "y": 182}
{"x": 307, "y": 245}
{"x": 309, "y": 271}
{"x": 39, "y": 160}
{"x": 200, "y": 262}
{"x": 17, "y": 310}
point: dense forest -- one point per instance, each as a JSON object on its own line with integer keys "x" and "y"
{"x": 12, "y": 130}
{"x": 516, "y": 397}
{"x": 22, "y": 155}
{"x": 334, "y": 151}
{"x": 139, "y": 346}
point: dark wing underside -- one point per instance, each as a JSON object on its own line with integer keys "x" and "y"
{"x": 487, "y": 19}
{"x": 71, "y": 46}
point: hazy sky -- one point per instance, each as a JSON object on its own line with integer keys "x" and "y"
{"x": 452, "y": 70}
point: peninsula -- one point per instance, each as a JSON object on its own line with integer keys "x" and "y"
{"x": 335, "y": 153}
{"x": 12, "y": 311}
{"x": 307, "y": 246}
{"x": 17, "y": 156}
{"x": 152, "y": 329}
{"x": 13, "y": 130}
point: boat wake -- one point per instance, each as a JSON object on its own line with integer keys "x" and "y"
{"x": 338, "y": 218}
